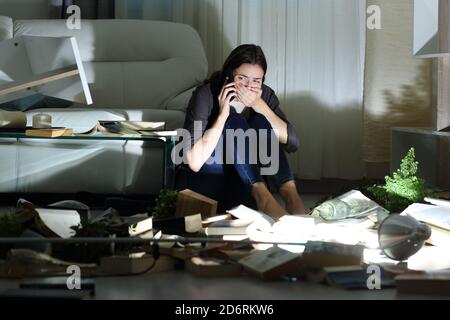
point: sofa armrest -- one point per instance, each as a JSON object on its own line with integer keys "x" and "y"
{"x": 180, "y": 102}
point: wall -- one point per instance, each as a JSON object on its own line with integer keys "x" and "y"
{"x": 398, "y": 86}
{"x": 25, "y": 9}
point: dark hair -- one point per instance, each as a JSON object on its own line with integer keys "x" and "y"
{"x": 245, "y": 53}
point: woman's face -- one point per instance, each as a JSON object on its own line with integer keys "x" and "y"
{"x": 250, "y": 75}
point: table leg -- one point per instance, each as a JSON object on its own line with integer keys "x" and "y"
{"x": 168, "y": 165}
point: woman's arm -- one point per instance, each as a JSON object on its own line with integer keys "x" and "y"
{"x": 271, "y": 111}
{"x": 202, "y": 149}
{"x": 278, "y": 125}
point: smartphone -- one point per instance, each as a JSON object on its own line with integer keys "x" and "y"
{"x": 234, "y": 102}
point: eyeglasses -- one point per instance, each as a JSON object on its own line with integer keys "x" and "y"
{"x": 254, "y": 82}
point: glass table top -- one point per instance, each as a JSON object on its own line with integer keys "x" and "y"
{"x": 154, "y": 135}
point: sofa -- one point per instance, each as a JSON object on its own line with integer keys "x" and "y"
{"x": 137, "y": 70}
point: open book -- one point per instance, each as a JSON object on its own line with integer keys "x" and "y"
{"x": 436, "y": 217}
{"x": 299, "y": 229}
{"x": 124, "y": 127}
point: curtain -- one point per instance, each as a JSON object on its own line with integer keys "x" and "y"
{"x": 315, "y": 53}
{"x": 90, "y": 9}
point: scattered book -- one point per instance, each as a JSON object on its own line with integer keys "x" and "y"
{"x": 425, "y": 283}
{"x": 25, "y": 210}
{"x": 272, "y": 263}
{"x": 179, "y": 225}
{"x": 50, "y": 133}
{"x": 298, "y": 230}
{"x": 57, "y": 222}
{"x": 246, "y": 214}
{"x": 430, "y": 258}
{"x": 438, "y": 202}
{"x": 437, "y": 218}
{"x": 320, "y": 254}
{"x": 209, "y": 220}
{"x": 354, "y": 277}
{"x": 124, "y": 127}
{"x": 190, "y": 202}
{"x": 222, "y": 231}
{"x": 177, "y": 253}
{"x": 188, "y": 251}
{"x": 212, "y": 267}
{"x": 235, "y": 254}
{"x": 143, "y": 228}
{"x": 228, "y": 227}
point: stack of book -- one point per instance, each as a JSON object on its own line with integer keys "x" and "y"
{"x": 424, "y": 283}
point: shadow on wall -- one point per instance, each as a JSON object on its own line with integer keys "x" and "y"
{"x": 410, "y": 108}
{"x": 330, "y": 138}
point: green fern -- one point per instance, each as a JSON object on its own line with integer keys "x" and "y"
{"x": 403, "y": 188}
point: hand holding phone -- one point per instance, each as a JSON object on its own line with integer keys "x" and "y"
{"x": 227, "y": 93}
{"x": 234, "y": 101}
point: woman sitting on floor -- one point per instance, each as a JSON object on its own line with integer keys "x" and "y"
{"x": 219, "y": 162}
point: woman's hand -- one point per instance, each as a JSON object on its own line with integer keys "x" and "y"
{"x": 249, "y": 96}
{"x": 226, "y": 94}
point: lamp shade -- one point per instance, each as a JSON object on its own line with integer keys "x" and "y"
{"x": 431, "y": 28}
{"x": 402, "y": 236}
{"x": 51, "y": 66}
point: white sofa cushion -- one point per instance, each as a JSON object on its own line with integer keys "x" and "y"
{"x": 181, "y": 101}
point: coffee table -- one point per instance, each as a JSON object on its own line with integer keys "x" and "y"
{"x": 166, "y": 138}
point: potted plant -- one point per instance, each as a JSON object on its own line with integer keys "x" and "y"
{"x": 402, "y": 189}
